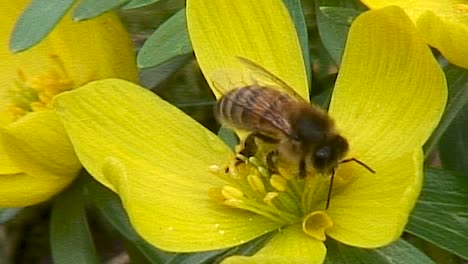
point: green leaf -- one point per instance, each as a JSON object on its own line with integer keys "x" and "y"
{"x": 228, "y": 136}
{"x": 454, "y": 144}
{"x": 138, "y": 3}
{"x": 7, "y": 214}
{"x": 110, "y": 206}
{"x": 151, "y": 77}
{"x": 333, "y": 26}
{"x": 88, "y": 9}
{"x": 457, "y": 82}
{"x": 297, "y": 15}
{"x": 441, "y": 213}
{"x": 249, "y": 248}
{"x": 216, "y": 256}
{"x": 171, "y": 39}
{"x": 199, "y": 258}
{"x": 70, "y": 237}
{"x": 399, "y": 252}
{"x": 37, "y": 20}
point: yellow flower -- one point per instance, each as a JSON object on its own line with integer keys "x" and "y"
{"x": 443, "y": 24}
{"x": 37, "y": 159}
{"x": 388, "y": 98}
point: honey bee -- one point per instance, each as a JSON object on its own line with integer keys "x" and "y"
{"x": 301, "y": 131}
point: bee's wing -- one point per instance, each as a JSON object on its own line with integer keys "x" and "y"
{"x": 260, "y": 75}
{"x": 224, "y": 80}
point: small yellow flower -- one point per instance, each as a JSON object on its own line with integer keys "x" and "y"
{"x": 443, "y": 24}
{"x": 37, "y": 159}
{"x": 167, "y": 169}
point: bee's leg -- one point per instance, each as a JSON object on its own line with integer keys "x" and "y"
{"x": 271, "y": 158}
{"x": 249, "y": 147}
{"x": 302, "y": 168}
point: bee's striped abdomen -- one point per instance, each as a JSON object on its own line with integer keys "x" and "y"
{"x": 255, "y": 108}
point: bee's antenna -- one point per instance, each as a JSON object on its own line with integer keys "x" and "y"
{"x": 330, "y": 188}
{"x": 333, "y": 176}
{"x": 358, "y": 162}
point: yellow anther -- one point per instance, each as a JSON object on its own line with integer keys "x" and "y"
{"x": 214, "y": 168}
{"x": 241, "y": 157}
{"x": 230, "y": 192}
{"x": 268, "y": 199}
{"x": 35, "y": 93}
{"x": 278, "y": 182}
{"x": 233, "y": 203}
{"x": 264, "y": 172}
{"x": 215, "y": 194}
{"x": 254, "y": 161}
{"x": 256, "y": 183}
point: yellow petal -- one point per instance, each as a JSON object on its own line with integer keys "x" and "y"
{"x": 39, "y": 146}
{"x": 448, "y": 36}
{"x": 390, "y": 92}
{"x": 373, "y": 210}
{"x": 82, "y": 51}
{"x": 443, "y": 24}
{"x": 19, "y": 190}
{"x": 261, "y": 31}
{"x": 289, "y": 245}
{"x": 158, "y": 160}
{"x": 7, "y": 166}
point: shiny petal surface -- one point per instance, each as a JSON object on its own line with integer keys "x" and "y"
{"x": 390, "y": 92}
{"x": 39, "y": 146}
{"x": 289, "y": 245}
{"x": 443, "y": 24}
{"x": 261, "y": 31}
{"x": 157, "y": 159}
{"x": 373, "y": 210}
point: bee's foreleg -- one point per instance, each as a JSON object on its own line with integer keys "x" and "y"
{"x": 249, "y": 146}
{"x": 271, "y": 160}
{"x": 302, "y": 168}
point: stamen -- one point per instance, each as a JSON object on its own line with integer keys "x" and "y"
{"x": 230, "y": 192}
{"x": 35, "y": 93}
{"x": 268, "y": 199}
{"x": 281, "y": 196}
{"x": 278, "y": 182}
{"x": 215, "y": 194}
{"x": 233, "y": 203}
{"x": 256, "y": 183}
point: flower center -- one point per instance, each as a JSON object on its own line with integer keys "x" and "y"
{"x": 36, "y": 93}
{"x": 280, "y": 196}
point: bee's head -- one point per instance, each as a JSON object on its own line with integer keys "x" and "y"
{"x": 328, "y": 154}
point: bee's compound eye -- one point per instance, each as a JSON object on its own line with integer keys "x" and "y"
{"x": 327, "y": 156}
{"x": 323, "y": 153}
{"x": 322, "y": 158}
